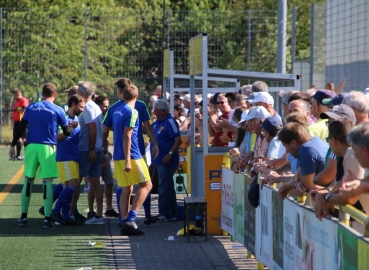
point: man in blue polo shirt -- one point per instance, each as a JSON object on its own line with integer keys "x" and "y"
{"x": 167, "y": 134}
{"x": 144, "y": 121}
{"x": 310, "y": 151}
{"x": 42, "y": 119}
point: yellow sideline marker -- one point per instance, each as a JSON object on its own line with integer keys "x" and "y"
{"x": 4, "y": 193}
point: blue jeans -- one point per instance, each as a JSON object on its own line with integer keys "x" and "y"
{"x": 167, "y": 195}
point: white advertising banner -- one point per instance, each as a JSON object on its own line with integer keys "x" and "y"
{"x": 293, "y": 235}
{"x": 320, "y": 242}
{"x": 308, "y": 242}
{"x": 227, "y": 223}
{"x": 239, "y": 207}
{"x": 263, "y": 228}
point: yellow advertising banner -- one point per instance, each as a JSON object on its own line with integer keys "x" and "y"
{"x": 195, "y": 55}
{"x": 213, "y": 192}
{"x": 363, "y": 254}
{"x": 184, "y": 155}
{"x": 166, "y": 68}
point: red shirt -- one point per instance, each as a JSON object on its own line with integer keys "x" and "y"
{"x": 18, "y": 107}
{"x": 217, "y": 134}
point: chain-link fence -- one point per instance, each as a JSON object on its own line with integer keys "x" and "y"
{"x": 347, "y": 43}
{"x": 65, "y": 46}
{"x": 339, "y": 48}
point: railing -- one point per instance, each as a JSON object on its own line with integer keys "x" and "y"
{"x": 285, "y": 234}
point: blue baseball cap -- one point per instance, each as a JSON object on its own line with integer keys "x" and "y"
{"x": 270, "y": 124}
{"x": 323, "y": 94}
{"x": 337, "y": 100}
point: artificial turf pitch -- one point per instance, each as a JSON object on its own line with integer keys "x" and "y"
{"x": 63, "y": 247}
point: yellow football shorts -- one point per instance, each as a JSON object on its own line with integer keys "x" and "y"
{"x": 138, "y": 174}
{"x": 68, "y": 170}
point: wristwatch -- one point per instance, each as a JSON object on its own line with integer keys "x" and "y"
{"x": 91, "y": 149}
{"x": 170, "y": 153}
{"x": 327, "y": 196}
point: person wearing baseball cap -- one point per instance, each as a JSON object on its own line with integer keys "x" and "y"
{"x": 325, "y": 177}
{"x": 359, "y": 103}
{"x": 271, "y": 126}
{"x": 340, "y": 111}
{"x": 266, "y": 100}
{"x": 320, "y": 128}
{"x": 337, "y": 100}
{"x": 255, "y": 119}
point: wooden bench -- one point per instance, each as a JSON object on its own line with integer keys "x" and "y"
{"x": 197, "y": 206}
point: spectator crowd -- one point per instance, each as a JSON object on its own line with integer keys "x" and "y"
{"x": 319, "y": 145}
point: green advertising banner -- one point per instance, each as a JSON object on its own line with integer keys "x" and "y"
{"x": 278, "y": 237}
{"x": 239, "y": 207}
{"x": 249, "y": 220}
{"x": 347, "y": 249}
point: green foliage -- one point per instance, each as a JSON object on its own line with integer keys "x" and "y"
{"x": 66, "y": 41}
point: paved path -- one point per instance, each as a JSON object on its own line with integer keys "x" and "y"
{"x": 153, "y": 251}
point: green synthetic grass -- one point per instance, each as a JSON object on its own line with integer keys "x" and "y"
{"x": 63, "y": 247}
{"x": 6, "y": 134}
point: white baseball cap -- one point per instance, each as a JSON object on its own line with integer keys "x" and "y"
{"x": 264, "y": 97}
{"x": 187, "y": 97}
{"x": 243, "y": 118}
{"x": 259, "y": 112}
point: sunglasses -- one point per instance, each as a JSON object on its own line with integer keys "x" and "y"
{"x": 221, "y": 102}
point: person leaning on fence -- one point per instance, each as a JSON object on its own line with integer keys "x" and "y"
{"x": 324, "y": 199}
{"x": 325, "y": 177}
{"x": 18, "y": 110}
{"x": 90, "y": 147}
{"x": 358, "y": 138}
{"x": 283, "y": 169}
{"x": 305, "y": 97}
{"x": 255, "y": 119}
{"x": 259, "y": 86}
{"x": 310, "y": 151}
{"x": 270, "y": 128}
{"x": 360, "y": 104}
{"x": 168, "y": 136}
{"x": 265, "y": 100}
{"x": 42, "y": 119}
{"x": 320, "y": 128}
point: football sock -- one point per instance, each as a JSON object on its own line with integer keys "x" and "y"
{"x": 118, "y": 195}
{"x": 19, "y": 148}
{"x": 48, "y": 197}
{"x": 131, "y": 215}
{"x": 65, "y": 197}
{"x": 56, "y": 191}
{"x": 26, "y": 194}
{"x": 147, "y": 205}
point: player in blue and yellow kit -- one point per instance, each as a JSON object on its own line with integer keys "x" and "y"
{"x": 130, "y": 167}
{"x": 42, "y": 119}
{"x": 143, "y": 122}
{"x": 67, "y": 163}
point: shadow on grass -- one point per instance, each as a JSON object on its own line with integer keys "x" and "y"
{"x": 37, "y": 187}
{"x": 10, "y": 228}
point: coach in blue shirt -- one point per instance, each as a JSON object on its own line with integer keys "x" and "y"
{"x": 168, "y": 136}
